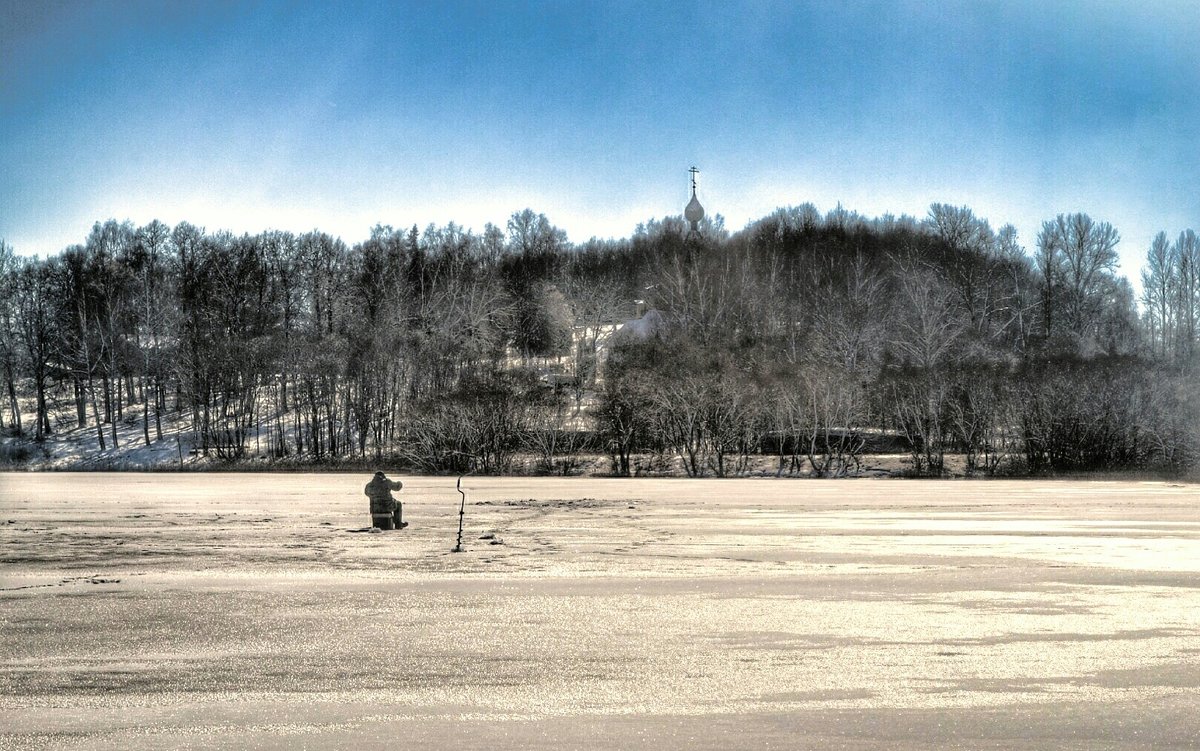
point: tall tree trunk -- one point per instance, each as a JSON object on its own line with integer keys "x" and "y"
{"x": 206, "y": 423}
{"x": 112, "y": 426}
{"x": 80, "y": 403}
{"x": 298, "y": 426}
{"x": 108, "y": 407}
{"x": 158, "y": 400}
{"x": 315, "y": 422}
{"x": 118, "y": 397}
{"x": 42, "y": 416}
{"x": 96, "y": 413}
{"x": 280, "y": 428}
{"x": 14, "y": 403}
{"x": 145, "y": 417}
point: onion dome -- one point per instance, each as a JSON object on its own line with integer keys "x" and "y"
{"x": 694, "y": 211}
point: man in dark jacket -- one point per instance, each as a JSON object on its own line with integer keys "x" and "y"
{"x": 386, "y": 511}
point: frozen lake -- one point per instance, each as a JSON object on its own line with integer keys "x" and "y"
{"x": 240, "y": 611}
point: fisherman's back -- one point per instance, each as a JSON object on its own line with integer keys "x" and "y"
{"x": 379, "y": 490}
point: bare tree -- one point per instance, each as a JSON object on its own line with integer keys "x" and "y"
{"x": 532, "y": 234}
{"x": 734, "y": 422}
{"x": 927, "y": 328}
{"x": 38, "y": 332}
{"x": 595, "y": 305}
{"x": 1158, "y": 285}
{"x": 680, "y": 411}
{"x": 9, "y": 336}
{"x": 1082, "y": 253}
{"x": 1017, "y": 300}
{"x": 829, "y": 412}
{"x": 850, "y": 322}
{"x": 148, "y": 263}
{"x": 969, "y": 243}
{"x": 1186, "y": 255}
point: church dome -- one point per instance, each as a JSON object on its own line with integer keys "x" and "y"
{"x": 694, "y": 211}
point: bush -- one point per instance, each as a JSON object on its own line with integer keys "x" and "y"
{"x": 16, "y": 453}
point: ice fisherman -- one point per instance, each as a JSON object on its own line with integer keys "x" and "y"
{"x": 386, "y": 511}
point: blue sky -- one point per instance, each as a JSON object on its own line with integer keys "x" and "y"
{"x": 295, "y": 115}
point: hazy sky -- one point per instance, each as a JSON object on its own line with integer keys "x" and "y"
{"x": 338, "y": 115}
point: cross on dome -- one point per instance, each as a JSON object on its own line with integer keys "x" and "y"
{"x": 694, "y": 211}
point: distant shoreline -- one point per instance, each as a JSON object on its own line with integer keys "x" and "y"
{"x": 886, "y": 467}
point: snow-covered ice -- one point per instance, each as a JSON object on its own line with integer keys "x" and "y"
{"x": 241, "y": 611}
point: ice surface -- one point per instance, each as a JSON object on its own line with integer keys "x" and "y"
{"x": 246, "y": 611}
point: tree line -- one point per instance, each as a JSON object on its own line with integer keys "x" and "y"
{"x": 813, "y": 338}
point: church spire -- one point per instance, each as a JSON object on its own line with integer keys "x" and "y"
{"x": 694, "y": 211}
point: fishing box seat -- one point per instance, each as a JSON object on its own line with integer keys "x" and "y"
{"x": 388, "y": 521}
{"x": 383, "y": 521}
